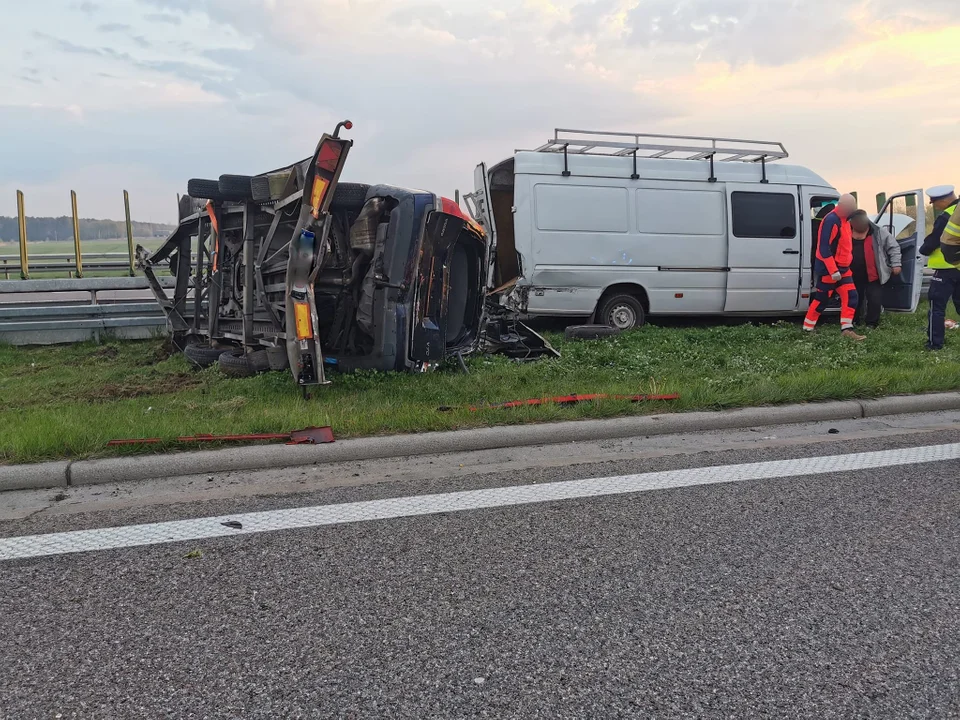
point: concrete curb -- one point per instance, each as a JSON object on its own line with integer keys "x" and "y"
{"x": 111, "y": 470}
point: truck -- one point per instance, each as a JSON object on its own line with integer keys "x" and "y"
{"x": 622, "y": 226}
{"x": 294, "y": 269}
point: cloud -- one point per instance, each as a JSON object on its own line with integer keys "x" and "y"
{"x": 88, "y": 7}
{"x": 167, "y": 18}
{"x": 435, "y": 86}
{"x": 65, "y": 46}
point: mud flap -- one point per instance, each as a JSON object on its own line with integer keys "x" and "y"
{"x": 303, "y": 331}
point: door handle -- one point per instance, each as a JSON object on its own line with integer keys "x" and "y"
{"x": 791, "y": 252}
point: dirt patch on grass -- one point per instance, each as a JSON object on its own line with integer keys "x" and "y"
{"x": 107, "y": 352}
{"x": 164, "y": 385}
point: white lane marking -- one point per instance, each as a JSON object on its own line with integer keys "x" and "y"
{"x": 28, "y": 546}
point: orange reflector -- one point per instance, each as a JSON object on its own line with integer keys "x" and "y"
{"x": 301, "y": 312}
{"x": 805, "y": 295}
{"x": 320, "y": 186}
{"x": 678, "y": 295}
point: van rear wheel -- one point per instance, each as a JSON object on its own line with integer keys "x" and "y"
{"x": 623, "y": 312}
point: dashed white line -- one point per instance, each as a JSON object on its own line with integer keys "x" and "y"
{"x": 30, "y": 546}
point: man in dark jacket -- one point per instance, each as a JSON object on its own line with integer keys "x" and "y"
{"x": 876, "y": 258}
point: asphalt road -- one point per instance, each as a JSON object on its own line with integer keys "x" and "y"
{"x": 824, "y": 596}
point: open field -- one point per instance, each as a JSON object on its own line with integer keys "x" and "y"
{"x": 89, "y": 248}
{"x": 69, "y": 401}
{"x": 63, "y": 247}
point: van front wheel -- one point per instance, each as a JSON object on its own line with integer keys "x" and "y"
{"x": 623, "y": 312}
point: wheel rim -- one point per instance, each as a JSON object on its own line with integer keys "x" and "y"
{"x": 622, "y": 317}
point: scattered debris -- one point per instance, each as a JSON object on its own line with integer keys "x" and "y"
{"x": 834, "y": 431}
{"x": 307, "y": 436}
{"x": 60, "y": 497}
{"x": 574, "y": 399}
{"x": 193, "y": 555}
{"x": 233, "y": 524}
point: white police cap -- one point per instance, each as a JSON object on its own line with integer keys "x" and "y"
{"x": 940, "y": 191}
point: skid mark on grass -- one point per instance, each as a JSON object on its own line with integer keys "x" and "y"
{"x": 141, "y": 387}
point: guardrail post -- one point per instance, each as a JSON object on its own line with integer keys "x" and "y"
{"x": 22, "y": 227}
{"x": 78, "y": 259}
{"x": 126, "y": 210}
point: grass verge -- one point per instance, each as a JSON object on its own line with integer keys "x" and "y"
{"x": 68, "y": 401}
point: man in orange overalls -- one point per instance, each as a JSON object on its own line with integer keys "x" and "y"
{"x": 831, "y": 272}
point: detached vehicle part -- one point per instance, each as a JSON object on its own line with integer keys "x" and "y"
{"x": 348, "y": 275}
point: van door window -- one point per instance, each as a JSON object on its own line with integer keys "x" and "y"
{"x": 764, "y": 215}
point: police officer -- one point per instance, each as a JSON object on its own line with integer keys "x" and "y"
{"x": 945, "y": 283}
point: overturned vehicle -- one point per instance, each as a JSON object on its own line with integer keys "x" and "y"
{"x": 293, "y": 269}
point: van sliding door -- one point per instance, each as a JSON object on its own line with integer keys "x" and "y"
{"x": 764, "y": 249}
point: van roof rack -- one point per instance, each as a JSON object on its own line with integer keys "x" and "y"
{"x": 670, "y": 147}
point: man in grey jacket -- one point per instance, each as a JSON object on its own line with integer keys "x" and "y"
{"x": 876, "y": 258}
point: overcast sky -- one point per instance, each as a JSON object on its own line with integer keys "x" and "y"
{"x": 102, "y": 95}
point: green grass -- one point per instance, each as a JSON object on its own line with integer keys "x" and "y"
{"x": 69, "y": 401}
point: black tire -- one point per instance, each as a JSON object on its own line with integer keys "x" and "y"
{"x": 236, "y": 187}
{"x": 590, "y": 332}
{"x": 201, "y": 354}
{"x": 259, "y": 361}
{"x": 206, "y": 189}
{"x": 235, "y": 364}
{"x": 349, "y": 196}
{"x": 621, "y": 311}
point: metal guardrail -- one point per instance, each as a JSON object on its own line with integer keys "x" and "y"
{"x": 11, "y": 268}
{"x": 56, "y": 317}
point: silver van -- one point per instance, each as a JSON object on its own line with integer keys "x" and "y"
{"x": 622, "y": 226}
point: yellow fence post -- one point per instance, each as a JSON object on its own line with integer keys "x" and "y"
{"x": 22, "y": 226}
{"x": 76, "y": 234}
{"x": 126, "y": 210}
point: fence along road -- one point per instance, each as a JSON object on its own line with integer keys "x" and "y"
{"x": 46, "y": 312}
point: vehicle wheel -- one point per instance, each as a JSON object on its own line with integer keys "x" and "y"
{"x": 236, "y": 187}
{"x": 349, "y": 195}
{"x": 235, "y": 364}
{"x": 259, "y": 361}
{"x": 207, "y": 189}
{"x": 623, "y": 312}
{"x": 589, "y": 332}
{"x": 201, "y": 354}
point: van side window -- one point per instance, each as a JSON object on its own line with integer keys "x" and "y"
{"x": 764, "y": 215}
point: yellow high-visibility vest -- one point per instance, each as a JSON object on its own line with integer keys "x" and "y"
{"x": 937, "y": 261}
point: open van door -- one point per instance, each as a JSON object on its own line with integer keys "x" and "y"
{"x": 904, "y": 217}
{"x": 480, "y": 207}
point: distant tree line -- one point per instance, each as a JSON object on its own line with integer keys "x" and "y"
{"x": 61, "y": 228}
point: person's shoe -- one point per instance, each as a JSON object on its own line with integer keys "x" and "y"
{"x": 853, "y": 335}
{"x": 932, "y": 348}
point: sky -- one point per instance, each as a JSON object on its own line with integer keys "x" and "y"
{"x": 105, "y": 95}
